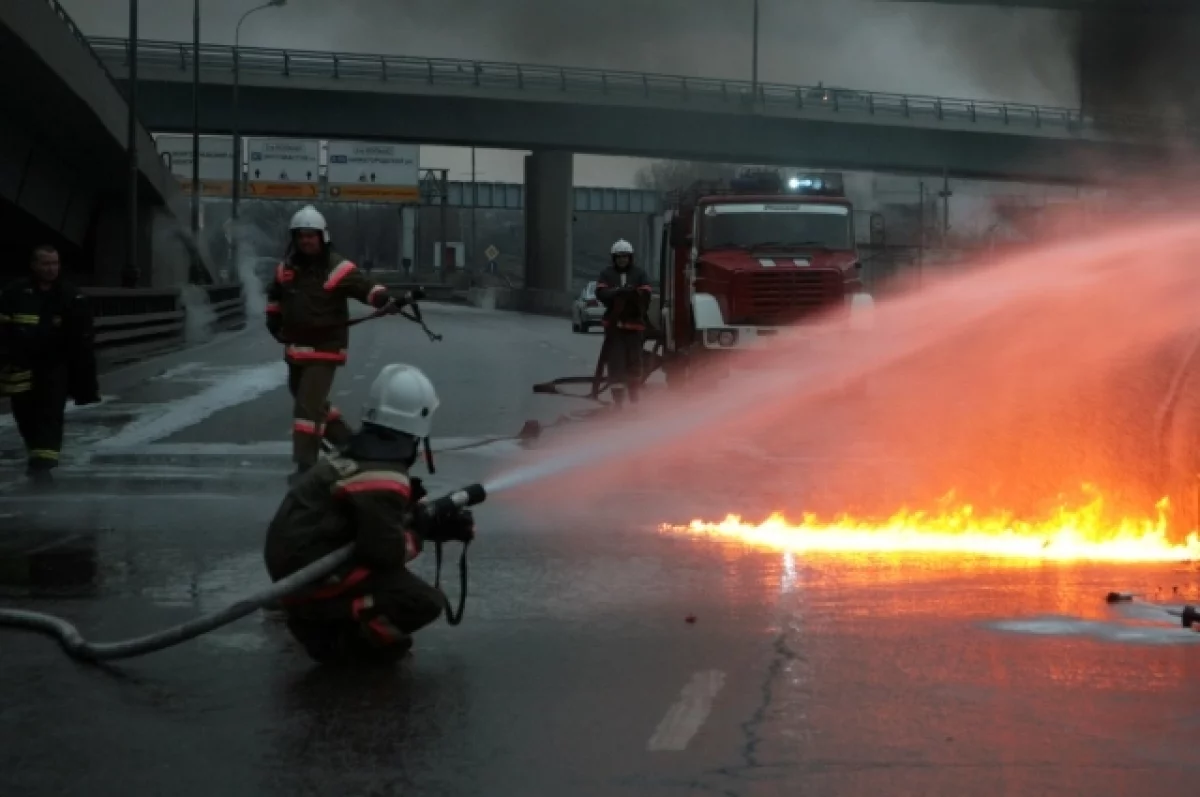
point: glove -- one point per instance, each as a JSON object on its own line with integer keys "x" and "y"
{"x": 458, "y": 526}
{"x": 418, "y": 489}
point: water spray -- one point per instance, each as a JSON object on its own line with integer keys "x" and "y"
{"x": 78, "y": 648}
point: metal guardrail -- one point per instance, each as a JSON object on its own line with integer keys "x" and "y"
{"x": 577, "y": 81}
{"x": 132, "y": 323}
{"x": 80, "y": 36}
{"x": 228, "y": 303}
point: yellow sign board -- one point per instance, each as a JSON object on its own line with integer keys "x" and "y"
{"x": 283, "y": 190}
{"x": 208, "y": 187}
{"x": 370, "y": 192}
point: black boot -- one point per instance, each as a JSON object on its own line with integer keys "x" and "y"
{"x": 40, "y": 478}
{"x": 295, "y": 477}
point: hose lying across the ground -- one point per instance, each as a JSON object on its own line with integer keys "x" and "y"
{"x": 79, "y": 648}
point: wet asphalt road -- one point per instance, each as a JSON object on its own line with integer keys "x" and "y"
{"x": 575, "y": 671}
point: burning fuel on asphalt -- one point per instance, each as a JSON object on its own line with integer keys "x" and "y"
{"x": 964, "y": 422}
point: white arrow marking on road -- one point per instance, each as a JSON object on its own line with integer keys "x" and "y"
{"x": 688, "y": 713}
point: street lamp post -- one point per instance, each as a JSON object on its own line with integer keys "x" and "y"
{"x": 131, "y": 274}
{"x": 237, "y": 139}
{"x": 196, "y": 120}
{"x": 754, "y": 58}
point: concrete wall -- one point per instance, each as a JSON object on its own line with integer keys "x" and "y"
{"x": 36, "y": 24}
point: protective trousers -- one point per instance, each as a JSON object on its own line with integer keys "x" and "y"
{"x": 39, "y": 413}
{"x": 623, "y": 354}
{"x": 367, "y": 615}
{"x": 313, "y": 417}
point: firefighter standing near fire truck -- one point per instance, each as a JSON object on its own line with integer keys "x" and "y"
{"x": 308, "y": 312}
{"x": 47, "y": 355}
{"x": 625, "y": 293}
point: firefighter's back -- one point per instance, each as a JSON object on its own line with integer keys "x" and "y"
{"x": 309, "y": 523}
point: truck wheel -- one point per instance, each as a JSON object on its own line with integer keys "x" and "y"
{"x": 575, "y": 327}
{"x": 585, "y": 328}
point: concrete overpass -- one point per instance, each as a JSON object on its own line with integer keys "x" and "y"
{"x": 63, "y": 168}
{"x": 338, "y": 95}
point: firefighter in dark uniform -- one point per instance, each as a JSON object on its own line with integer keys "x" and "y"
{"x": 364, "y": 495}
{"x": 308, "y": 311}
{"x": 625, "y": 293}
{"x": 46, "y": 356}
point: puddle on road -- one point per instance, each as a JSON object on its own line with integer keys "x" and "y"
{"x": 1137, "y": 628}
{"x": 41, "y": 563}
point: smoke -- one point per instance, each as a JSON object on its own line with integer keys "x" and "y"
{"x": 979, "y": 52}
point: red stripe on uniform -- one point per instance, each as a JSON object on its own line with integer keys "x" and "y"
{"x": 273, "y": 307}
{"x": 339, "y": 274}
{"x": 317, "y": 356}
{"x": 378, "y": 289}
{"x": 374, "y": 485}
{"x": 304, "y": 427}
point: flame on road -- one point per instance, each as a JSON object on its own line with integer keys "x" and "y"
{"x": 1080, "y": 532}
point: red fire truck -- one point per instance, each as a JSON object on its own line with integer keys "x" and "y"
{"x": 738, "y": 263}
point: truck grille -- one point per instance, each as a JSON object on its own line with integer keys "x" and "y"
{"x": 781, "y": 297}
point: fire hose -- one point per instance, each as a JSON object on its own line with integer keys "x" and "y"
{"x": 1188, "y": 615}
{"x": 393, "y": 308}
{"x": 78, "y": 648}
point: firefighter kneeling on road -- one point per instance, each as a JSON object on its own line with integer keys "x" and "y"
{"x": 364, "y": 495}
{"x": 625, "y": 293}
{"x": 308, "y": 312}
{"x": 47, "y": 355}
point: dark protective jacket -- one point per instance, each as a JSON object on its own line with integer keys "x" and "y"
{"x": 48, "y": 329}
{"x": 624, "y": 309}
{"x": 308, "y": 306}
{"x": 340, "y": 501}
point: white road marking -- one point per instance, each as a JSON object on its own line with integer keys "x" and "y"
{"x": 239, "y": 387}
{"x": 685, "y": 717}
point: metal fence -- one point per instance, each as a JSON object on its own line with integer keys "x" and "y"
{"x": 132, "y": 323}
{"x": 485, "y": 77}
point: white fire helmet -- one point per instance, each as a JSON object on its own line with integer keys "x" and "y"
{"x": 309, "y": 218}
{"x": 402, "y": 399}
{"x": 622, "y": 247}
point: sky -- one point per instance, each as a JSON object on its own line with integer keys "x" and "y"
{"x": 975, "y": 52}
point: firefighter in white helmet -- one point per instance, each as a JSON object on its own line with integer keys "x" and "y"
{"x": 625, "y": 293}
{"x": 308, "y": 312}
{"x": 365, "y": 495}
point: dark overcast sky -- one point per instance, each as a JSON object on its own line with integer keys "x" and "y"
{"x": 977, "y": 52}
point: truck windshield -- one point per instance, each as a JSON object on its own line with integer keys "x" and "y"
{"x": 797, "y": 224}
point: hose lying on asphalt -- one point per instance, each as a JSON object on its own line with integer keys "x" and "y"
{"x": 79, "y": 648}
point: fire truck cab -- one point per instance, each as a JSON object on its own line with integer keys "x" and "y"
{"x": 738, "y": 263}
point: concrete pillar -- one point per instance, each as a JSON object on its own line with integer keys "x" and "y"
{"x": 549, "y": 207}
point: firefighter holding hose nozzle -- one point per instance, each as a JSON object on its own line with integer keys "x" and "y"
{"x": 625, "y": 293}
{"x": 364, "y": 495}
{"x": 308, "y": 312}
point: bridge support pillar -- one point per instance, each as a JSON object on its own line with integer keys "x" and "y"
{"x": 549, "y": 211}
{"x": 109, "y": 245}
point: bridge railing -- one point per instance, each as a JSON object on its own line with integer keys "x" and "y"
{"x": 486, "y": 76}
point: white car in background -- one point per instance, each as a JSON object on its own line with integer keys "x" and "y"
{"x": 586, "y": 310}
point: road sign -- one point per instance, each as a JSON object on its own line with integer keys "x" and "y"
{"x": 361, "y": 171}
{"x": 216, "y": 162}
{"x": 282, "y": 168}
{"x": 492, "y": 252}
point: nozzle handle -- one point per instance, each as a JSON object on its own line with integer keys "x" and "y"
{"x": 470, "y": 495}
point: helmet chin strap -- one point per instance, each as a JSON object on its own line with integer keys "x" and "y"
{"x": 428, "y": 455}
